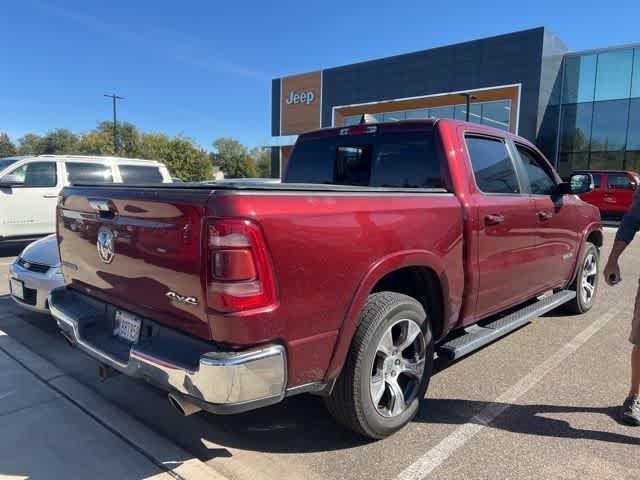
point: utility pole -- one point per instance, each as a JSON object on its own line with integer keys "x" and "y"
{"x": 469, "y": 97}
{"x": 115, "y": 97}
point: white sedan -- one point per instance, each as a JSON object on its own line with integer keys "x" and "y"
{"x": 35, "y": 273}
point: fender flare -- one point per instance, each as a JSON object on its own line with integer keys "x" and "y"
{"x": 588, "y": 230}
{"x": 382, "y": 267}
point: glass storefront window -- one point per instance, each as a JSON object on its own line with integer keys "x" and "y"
{"x": 633, "y": 138}
{"x": 393, "y": 116}
{"x": 607, "y": 160}
{"x": 632, "y": 161}
{"x": 635, "y": 80}
{"x": 609, "y": 130}
{"x": 579, "y": 79}
{"x": 497, "y": 114}
{"x": 475, "y": 115}
{"x": 570, "y": 162}
{"x": 418, "y": 114}
{"x": 613, "y": 80}
{"x": 441, "y": 112}
{"x": 352, "y": 120}
{"x": 575, "y": 127}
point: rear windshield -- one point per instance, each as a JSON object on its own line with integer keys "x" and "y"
{"x": 397, "y": 160}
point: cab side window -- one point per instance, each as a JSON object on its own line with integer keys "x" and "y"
{"x": 34, "y": 174}
{"x": 133, "y": 174}
{"x": 620, "y": 182}
{"x": 88, "y": 173}
{"x": 540, "y": 178}
{"x": 492, "y": 165}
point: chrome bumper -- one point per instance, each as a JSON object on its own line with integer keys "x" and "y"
{"x": 218, "y": 381}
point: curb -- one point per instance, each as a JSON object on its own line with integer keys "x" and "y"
{"x": 157, "y": 449}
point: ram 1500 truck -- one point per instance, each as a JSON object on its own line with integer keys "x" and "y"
{"x": 384, "y": 244}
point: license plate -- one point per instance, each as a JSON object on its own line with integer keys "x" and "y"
{"x": 17, "y": 288}
{"x": 127, "y": 326}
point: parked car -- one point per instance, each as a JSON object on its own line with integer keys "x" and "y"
{"x": 613, "y": 190}
{"x": 29, "y": 186}
{"x": 35, "y": 273}
{"x": 383, "y": 243}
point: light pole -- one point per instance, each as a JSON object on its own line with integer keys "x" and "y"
{"x": 469, "y": 97}
{"x": 114, "y": 97}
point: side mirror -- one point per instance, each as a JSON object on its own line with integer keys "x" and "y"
{"x": 581, "y": 183}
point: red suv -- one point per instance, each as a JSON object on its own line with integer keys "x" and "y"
{"x": 613, "y": 190}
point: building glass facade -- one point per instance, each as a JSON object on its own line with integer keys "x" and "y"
{"x": 582, "y": 109}
{"x": 599, "y": 115}
{"x": 496, "y": 114}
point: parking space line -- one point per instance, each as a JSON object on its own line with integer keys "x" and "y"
{"x": 450, "y": 444}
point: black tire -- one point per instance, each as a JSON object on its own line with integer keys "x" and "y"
{"x": 351, "y": 402}
{"x": 580, "y": 304}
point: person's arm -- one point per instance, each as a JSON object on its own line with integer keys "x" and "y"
{"x": 628, "y": 228}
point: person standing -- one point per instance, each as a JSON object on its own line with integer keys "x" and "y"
{"x": 626, "y": 232}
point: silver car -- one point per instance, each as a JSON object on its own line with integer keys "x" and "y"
{"x": 35, "y": 273}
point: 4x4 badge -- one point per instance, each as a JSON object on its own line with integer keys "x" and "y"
{"x": 181, "y": 299}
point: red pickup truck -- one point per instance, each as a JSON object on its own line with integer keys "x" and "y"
{"x": 384, "y": 243}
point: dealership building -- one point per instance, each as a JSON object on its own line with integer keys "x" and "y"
{"x": 582, "y": 109}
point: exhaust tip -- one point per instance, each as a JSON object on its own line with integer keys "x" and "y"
{"x": 183, "y": 406}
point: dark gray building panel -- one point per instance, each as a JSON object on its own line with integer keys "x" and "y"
{"x": 275, "y": 107}
{"x": 553, "y": 52}
{"x": 503, "y": 60}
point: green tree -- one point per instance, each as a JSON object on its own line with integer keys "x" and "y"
{"x": 262, "y": 158}
{"x": 183, "y": 159}
{"x": 29, "y": 144}
{"x": 95, "y": 143}
{"x": 7, "y": 148}
{"x": 234, "y": 159}
{"x": 59, "y": 141}
{"x": 129, "y": 137}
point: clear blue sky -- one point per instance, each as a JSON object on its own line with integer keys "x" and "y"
{"x": 204, "y": 68}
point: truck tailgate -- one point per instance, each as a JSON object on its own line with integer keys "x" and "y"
{"x": 138, "y": 251}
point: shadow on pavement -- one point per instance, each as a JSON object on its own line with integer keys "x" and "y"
{"x": 297, "y": 425}
{"x": 525, "y": 419}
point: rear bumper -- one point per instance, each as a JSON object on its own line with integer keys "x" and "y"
{"x": 216, "y": 380}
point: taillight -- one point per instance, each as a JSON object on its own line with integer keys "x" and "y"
{"x": 240, "y": 275}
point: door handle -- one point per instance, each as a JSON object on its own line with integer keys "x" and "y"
{"x": 50, "y": 195}
{"x": 545, "y": 216}
{"x": 493, "y": 219}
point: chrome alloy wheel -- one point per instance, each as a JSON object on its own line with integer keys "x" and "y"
{"x": 589, "y": 277}
{"x": 398, "y": 367}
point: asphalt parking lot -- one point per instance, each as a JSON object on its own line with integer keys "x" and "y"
{"x": 540, "y": 403}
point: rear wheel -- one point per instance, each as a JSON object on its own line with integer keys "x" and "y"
{"x": 586, "y": 282}
{"x": 387, "y": 368}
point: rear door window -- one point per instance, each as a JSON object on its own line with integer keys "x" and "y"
{"x": 88, "y": 173}
{"x": 541, "y": 181}
{"x": 620, "y": 182}
{"x": 394, "y": 160}
{"x": 133, "y": 174}
{"x": 492, "y": 165}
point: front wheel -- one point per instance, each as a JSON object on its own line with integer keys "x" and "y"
{"x": 586, "y": 282}
{"x": 388, "y": 367}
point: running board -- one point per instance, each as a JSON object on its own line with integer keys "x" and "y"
{"x": 477, "y": 336}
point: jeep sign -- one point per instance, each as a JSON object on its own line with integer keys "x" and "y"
{"x": 306, "y": 96}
